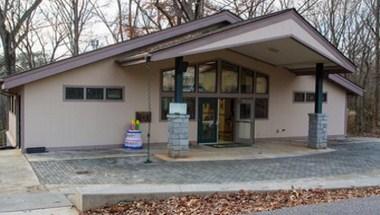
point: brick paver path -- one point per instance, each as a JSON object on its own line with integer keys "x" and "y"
{"x": 347, "y": 159}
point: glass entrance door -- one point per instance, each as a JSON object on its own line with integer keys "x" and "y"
{"x": 207, "y": 120}
{"x": 244, "y": 121}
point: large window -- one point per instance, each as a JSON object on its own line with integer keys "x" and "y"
{"x": 207, "y": 77}
{"x": 93, "y": 93}
{"x": 229, "y": 76}
{"x": 188, "y": 80}
{"x": 246, "y": 81}
{"x": 165, "y": 102}
{"x": 216, "y": 79}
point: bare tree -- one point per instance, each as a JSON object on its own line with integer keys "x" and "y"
{"x": 14, "y": 18}
{"x": 74, "y": 15}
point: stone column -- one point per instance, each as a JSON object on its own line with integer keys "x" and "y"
{"x": 317, "y": 131}
{"x": 178, "y": 136}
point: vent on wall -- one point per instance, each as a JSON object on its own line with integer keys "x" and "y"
{"x": 35, "y": 150}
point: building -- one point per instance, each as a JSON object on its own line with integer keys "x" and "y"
{"x": 241, "y": 79}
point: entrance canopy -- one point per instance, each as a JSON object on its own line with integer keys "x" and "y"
{"x": 282, "y": 39}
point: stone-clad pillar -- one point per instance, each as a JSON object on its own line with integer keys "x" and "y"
{"x": 317, "y": 138}
{"x": 178, "y": 137}
{"x": 317, "y": 130}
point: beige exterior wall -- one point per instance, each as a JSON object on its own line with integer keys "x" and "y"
{"x": 52, "y": 122}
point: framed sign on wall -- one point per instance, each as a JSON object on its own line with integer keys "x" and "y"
{"x": 144, "y": 116}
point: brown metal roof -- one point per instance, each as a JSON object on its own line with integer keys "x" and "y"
{"x": 116, "y": 49}
{"x": 165, "y": 39}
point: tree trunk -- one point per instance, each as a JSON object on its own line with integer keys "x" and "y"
{"x": 377, "y": 65}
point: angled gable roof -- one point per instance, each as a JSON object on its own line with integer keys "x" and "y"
{"x": 280, "y": 26}
{"x": 166, "y": 47}
{"x": 116, "y": 49}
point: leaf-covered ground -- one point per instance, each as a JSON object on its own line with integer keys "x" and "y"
{"x": 242, "y": 202}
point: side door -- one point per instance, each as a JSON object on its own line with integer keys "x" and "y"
{"x": 244, "y": 126}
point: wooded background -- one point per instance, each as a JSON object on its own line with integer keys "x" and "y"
{"x": 38, "y": 32}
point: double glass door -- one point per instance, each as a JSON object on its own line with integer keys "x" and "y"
{"x": 225, "y": 120}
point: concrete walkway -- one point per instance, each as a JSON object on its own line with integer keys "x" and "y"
{"x": 362, "y": 206}
{"x": 21, "y": 192}
{"x": 16, "y": 174}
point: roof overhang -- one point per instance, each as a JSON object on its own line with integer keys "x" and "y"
{"x": 284, "y": 40}
{"x": 116, "y": 49}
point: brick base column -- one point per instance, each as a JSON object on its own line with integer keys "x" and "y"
{"x": 178, "y": 135}
{"x": 317, "y": 138}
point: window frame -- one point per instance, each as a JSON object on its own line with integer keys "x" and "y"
{"x": 218, "y": 93}
{"x": 267, "y": 114}
{"x": 114, "y": 100}
{"x": 74, "y": 86}
{"x": 220, "y": 72}
{"x": 241, "y": 69}
{"x": 173, "y": 69}
{"x": 94, "y": 99}
{"x": 300, "y": 92}
{"x": 84, "y": 87}
{"x": 161, "y": 119}
{"x": 217, "y": 76}
{"x": 259, "y": 74}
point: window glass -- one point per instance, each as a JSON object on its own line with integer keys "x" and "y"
{"x": 261, "y": 84}
{"x": 299, "y": 97}
{"x": 95, "y": 93}
{"x": 207, "y": 77}
{"x": 310, "y": 97}
{"x": 246, "y": 81}
{"x": 168, "y": 82}
{"x": 189, "y": 79}
{"x": 245, "y": 111}
{"x": 165, "y": 101}
{"x": 74, "y": 93}
{"x": 190, "y": 101}
{"x": 230, "y": 74}
{"x": 114, "y": 93}
{"x": 261, "y": 108}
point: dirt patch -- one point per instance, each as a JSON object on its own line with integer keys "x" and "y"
{"x": 242, "y": 202}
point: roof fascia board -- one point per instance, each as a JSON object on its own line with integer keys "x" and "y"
{"x": 114, "y": 50}
{"x": 292, "y": 14}
{"x": 346, "y": 84}
{"x": 197, "y": 42}
{"x": 323, "y": 41}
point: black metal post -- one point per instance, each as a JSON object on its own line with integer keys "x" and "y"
{"x": 180, "y": 68}
{"x": 319, "y": 74}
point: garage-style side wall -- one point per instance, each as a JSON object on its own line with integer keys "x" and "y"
{"x": 54, "y": 123}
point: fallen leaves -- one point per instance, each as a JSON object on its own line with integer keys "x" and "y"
{"x": 242, "y": 202}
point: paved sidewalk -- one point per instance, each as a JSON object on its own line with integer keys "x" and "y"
{"x": 353, "y": 159}
{"x": 16, "y": 174}
{"x": 362, "y": 206}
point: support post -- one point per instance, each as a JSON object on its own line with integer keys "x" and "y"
{"x": 178, "y": 123}
{"x": 180, "y": 68}
{"x": 317, "y": 138}
{"x": 319, "y": 74}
